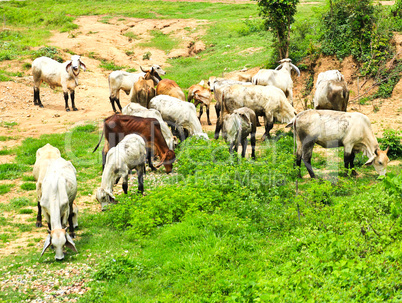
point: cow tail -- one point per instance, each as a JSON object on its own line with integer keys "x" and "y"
{"x": 96, "y": 147}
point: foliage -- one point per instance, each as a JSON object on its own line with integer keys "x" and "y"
{"x": 278, "y": 17}
{"x": 47, "y": 51}
{"x": 392, "y": 138}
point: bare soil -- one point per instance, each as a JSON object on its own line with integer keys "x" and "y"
{"x": 96, "y": 41}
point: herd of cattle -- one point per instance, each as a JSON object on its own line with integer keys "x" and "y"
{"x": 159, "y": 115}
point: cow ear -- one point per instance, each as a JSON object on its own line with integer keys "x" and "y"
{"x": 70, "y": 243}
{"x": 370, "y": 161}
{"x": 68, "y": 66}
{"x": 83, "y": 66}
{"x": 48, "y": 242}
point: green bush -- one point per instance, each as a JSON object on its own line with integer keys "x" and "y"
{"x": 392, "y": 138}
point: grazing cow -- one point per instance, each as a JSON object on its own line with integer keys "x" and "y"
{"x": 59, "y": 188}
{"x": 142, "y": 92}
{"x": 268, "y": 101}
{"x": 332, "y": 91}
{"x": 116, "y": 127}
{"x": 180, "y": 115}
{"x": 170, "y": 88}
{"x": 121, "y": 80}
{"x": 130, "y": 153}
{"x": 202, "y": 96}
{"x": 236, "y": 128}
{"x": 135, "y": 109}
{"x": 280, "y": 77}
{"x": 331, "y": 129}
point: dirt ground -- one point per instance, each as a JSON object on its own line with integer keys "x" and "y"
{"x": 95, "y": 41}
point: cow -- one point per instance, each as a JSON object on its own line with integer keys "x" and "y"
{"x": 117, "y": 126}
{"x": 331, "y": 92}
{"x": 170, "y": 88}
{"x": 202, "y": 96}
{"x": 331, "y": 129}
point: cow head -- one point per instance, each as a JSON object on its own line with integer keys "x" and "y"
{"x": 379, "y": 161}
{"x": 104, "y": 197}
{"x": 167, "y": 160}
{"x": 58, "y": 238}
{"x": 75, "y": 64}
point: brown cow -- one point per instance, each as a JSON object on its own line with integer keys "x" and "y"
{"x": 170, "y": 88}
{"x": 117, "y": 126}
{"x": 201, "y": 95}
{"x": 142, "y": 92}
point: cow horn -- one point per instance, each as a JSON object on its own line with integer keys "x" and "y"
{"x": 145, "y": 71}
{"x": 48, "y": 241}
{"x": 70, "y": 243}
{"x": 295, "y": 68}
{"x": 386, "y": 150}
{"x": 279, "y": 67}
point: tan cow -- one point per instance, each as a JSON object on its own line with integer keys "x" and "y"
{"x": 331, "y": 92}
{"x": 202, "y": 96}
{"x": 170, "y": 88}
{"x": 142, "y": 92}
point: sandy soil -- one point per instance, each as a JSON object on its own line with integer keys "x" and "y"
{"x": 95, "y": 41}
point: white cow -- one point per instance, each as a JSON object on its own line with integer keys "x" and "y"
{"x": 281, "y": 78}
{"x": 59, "y": 188}
{"x": 331, "y": 92}
{"x": 179, "y": 114}
{"x": 129, "y": 154}
{"x": 268, "y": 101}
{"x": 65, "y": 74}
{"x": 331, "y": 129}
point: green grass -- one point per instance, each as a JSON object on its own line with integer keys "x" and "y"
{"x": 11, "y": 171}
{"x": 5, "y": 188}
{"x": 161, "y": 41}
{"x": 6, "y": 151}
{"x": 28, "y": 186}
{"x": 110, "y": 65}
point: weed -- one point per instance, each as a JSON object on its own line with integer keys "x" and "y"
{"x": 147, "y": 56}
{"x": 392, "y": 138}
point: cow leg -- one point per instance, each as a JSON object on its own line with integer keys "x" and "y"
{"x": 118, "y": 104}
{"x": 72, "y": 97}
{"x": 244, "y": 147}
{"x": 218, "y": 128}
{"x": 348, "y": 161}
{"x": 66, "y": 101}
{"x": 201, "y": 112}
{"x": 307, "y": 154}
{"x": 269, "y": 124}
{"x": 37, "y": 97}
{"x": 70, "y": 222}
{"x": 258, "y": 121}
{"x": 290, "y": 94}
{"x": 231, "y": 147}
{"x": 39, "y": 216}
{"x": 252, "y": 141}
{"x": 112, "y": 99}
{"x": 125, "y": 184}
{"x": 140, "y": 173}
{"x": 208, "y": 120}
{"x": 218, "y": 110}
{"x": 149, "y": 158}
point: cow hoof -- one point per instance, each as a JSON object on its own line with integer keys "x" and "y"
{"x": 67, "y": 109}
{"x": 72, "y": 235}
{"x": 38, "y": 224}
{"x": 209, "y": 123}
{"x": 75, "y": 109}
{"x": 40, "y": 105}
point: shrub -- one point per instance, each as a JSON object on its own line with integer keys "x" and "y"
{"x": 392, "y": 139}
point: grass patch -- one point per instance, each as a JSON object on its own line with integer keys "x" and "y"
{"x": 11, "y": 171}
{"x": 161, "y": 41}
{"x": 6, "y": 151}
{"x": 6, "y": 124}
{"x": 110, "y": 65}
{"x": 28, "y": 178}
{"x": 7, "y": 138}
{"x": 28, "y": 186}
{"x": 5, "y": 188}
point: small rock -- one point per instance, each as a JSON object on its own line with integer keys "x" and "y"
{"x": 56, "y": 115}
{"x": 28, "y": 115}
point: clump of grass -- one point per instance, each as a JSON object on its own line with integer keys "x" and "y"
{"x": 5, "y": 188}
{"x": 147, "y": 56}
{"x": 110, "y": 65}
{"x": 25, "y": 211}
{"x": 6, "y": 124}
{"x": 6, "y": 151}
{"x": 28, "y": 186}
{"x": 10, "y": 171}
{"x": 131, "y": 36}
{"x": 28, "y": 178}
{"x": 161, "y": 41}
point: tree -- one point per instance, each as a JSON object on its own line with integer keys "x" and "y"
{"x": 278, "y": 16}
